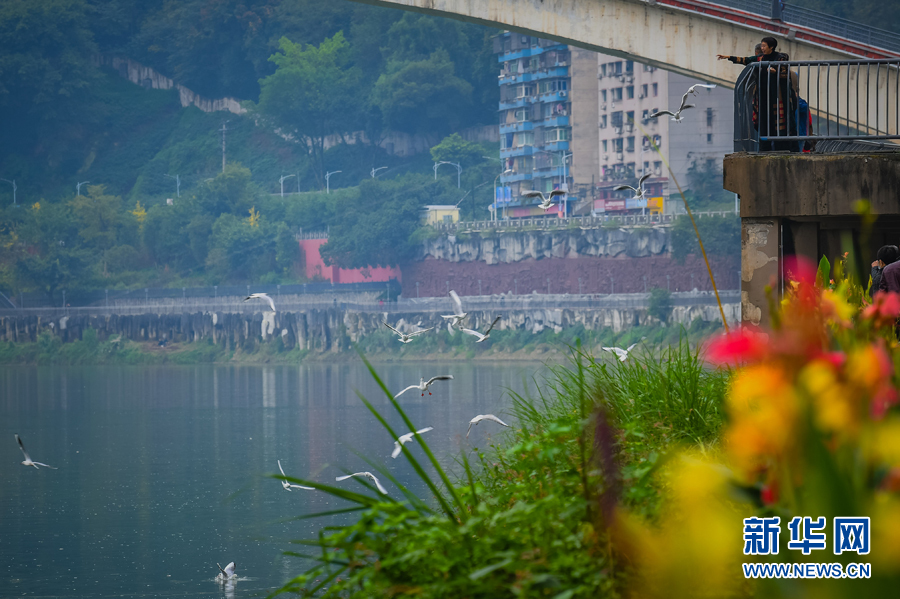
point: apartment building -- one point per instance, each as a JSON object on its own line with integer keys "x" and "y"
{"x": 577, "y": 120}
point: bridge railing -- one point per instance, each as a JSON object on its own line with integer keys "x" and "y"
{"x": 790, "y": 105}
{"x": 837, "y": 26}
{"x": 549, "y": 223}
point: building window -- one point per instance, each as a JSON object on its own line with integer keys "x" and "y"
{"x": 646, "y": 168}
{"x": 603, "y": 69}
{"x": 629, "y": 144}
{"x": 629, "y": 66}
{"x": 534, "y": 64}
{"x": 709, "y": 138}
{"x": 616, "y": 93}
{"x": 525, "y": 138}
{"x": 506, "y": 141}
{"x": 524, "y": 164}
{"x": 555, "y": 135}
{"x": 655, "y": 90}
{"x": 657, "y": 140}
{"x": 616, "y": 119}
{"x": 629, "y": 119}
{"x": 603, "y": 95}
{"x": 605, "y": 145}
{"x": 644, "y": 91}
{"x": 521, "y": 115}
{"x": 629, "y": 92}
{"x": 657, "y": 167}
{"x": 709, "y": 117}
{"x": 603, "y": 121}
{"x": 617, "y": 144}
{"x": 615, "y": 68}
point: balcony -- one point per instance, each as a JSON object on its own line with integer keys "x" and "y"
{"x": 515, "y": 177}
{"x": 555, "y": 146}
{"x": 520, "y": 151}
{"x": 556, "y": 121}
{"x": 517, "y": 103}
{"x": 561, "y": 96}
{"x": 533, "y": 51}
{"x": 516, "y": 127}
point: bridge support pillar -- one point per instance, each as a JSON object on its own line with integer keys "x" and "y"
{"x": 806, "y": 205}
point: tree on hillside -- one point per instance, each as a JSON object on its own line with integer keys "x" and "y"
{"x": 457, "y": 150}
{"x": 313, "y": 93}
{"x": 47, "y": 250}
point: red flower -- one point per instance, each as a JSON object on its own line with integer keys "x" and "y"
{"x": 800, "y": 269}
{"x": 769, "y": 494}
{"x": 740, "y": 345}
{"x": 885, "y": 310}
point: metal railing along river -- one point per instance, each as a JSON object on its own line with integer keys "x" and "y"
{"x": 553, "y": 223}
{"x": 789, "y": 105}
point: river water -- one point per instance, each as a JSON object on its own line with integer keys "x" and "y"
{"x": 161, "y": 469}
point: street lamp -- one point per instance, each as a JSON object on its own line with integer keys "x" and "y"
{"x": 565, "y": 184}
{"x": 78, "y": 187}
{"x": 328, "y": 180}
{"x": 13, "y": 182}
{"x": 282, "y": 179}
{"x": 375, "y": 170}
{"x": 177, "y": 184}
{"x": 506, "y": 172}
{"x": 458, "y": 170}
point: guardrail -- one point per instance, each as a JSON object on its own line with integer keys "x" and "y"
{"x": 553, "y": 223}
{"x": 486, "y": 303}
{"x": 811, "y": 19}
{"x": 848, "y": 100}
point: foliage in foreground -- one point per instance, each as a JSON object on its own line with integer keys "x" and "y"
{"x": 530, "y": 522}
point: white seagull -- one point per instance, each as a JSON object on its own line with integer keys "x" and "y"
{"x": 381, "y": 489}
{"x": 28, "y": 461}
{"x": 693, "y": 88}
{"x": 403, "y": 439}
{"x": 481, "y": 417}
{"x": 676, "y": 116}
{"x": 622, "y": 354}
{"x": 287, "y": 486}
{"x": 423, "y": 384}
{"x": 458, "y": 314}
{"x": 261, "y": 296}
{"x": 406, "y": 337}
{"x": 640, "y": 192}
{"x": 227, "y": 572}
{"x": 546, "y": 201}
{"x": 481, "y": 337}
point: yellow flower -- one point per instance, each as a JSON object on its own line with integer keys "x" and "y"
{"x": 835, "y": 307}
{"x": 834, "y": 407}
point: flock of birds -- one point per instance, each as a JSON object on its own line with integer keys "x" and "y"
{"x": 640, "y": 192}
{"x": 228, "y": 575}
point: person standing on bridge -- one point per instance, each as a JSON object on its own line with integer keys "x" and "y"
{"x": 774, "y": 91}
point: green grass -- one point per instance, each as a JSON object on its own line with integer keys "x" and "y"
{"x": 529, "y": 516}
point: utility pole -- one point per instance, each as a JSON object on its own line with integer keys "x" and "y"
{"x": 223, "y": 129}
{"x": 13, "y": 182}
{"x": 177, "y": 184}
{"x": 78, "y": 187}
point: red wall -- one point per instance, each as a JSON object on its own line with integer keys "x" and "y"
{"x": 315, "y": 266}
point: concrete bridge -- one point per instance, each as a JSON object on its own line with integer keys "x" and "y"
{"x": 677, "y": 35}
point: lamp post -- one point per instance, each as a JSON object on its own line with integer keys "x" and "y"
{"x": 375, "y": 171}
{"x": 177, "y": 184}
{"x": 328, "y": 180}
{"x": 565, "y": 183}
{"x": 282, "y": 179}
{"x": 13, "y": 182}
{"x": 458, "y": 170}
{"x": 506, "y": 172}
{"x": 78, "y": 187}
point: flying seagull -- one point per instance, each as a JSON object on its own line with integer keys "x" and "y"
{"x": 639, "y": 192}
{"x": 693, "y": 88}
{"x": 546, "y": 201}
{"x": 227, "y": 573}
{"x": 622, "y": 354}
{"x": 676, "y": 116}
{"x": 381, "y": 489}
{"x": 261, "y": 296}
{"x": 406, "y": 337}
{"x": 481, "y": 417}
{"x": 423, "y": 384}
{"x": 458, "y": 314}
{"x": 481, "y": 337}
{"x": 287, "y": 486}
{"x": 403, "y": 439}
{"x": 28, "y": 461}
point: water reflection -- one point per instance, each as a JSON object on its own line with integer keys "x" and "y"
{"x": 161, "y": 468}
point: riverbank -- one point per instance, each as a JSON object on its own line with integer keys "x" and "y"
{"x": 380, "y": 347}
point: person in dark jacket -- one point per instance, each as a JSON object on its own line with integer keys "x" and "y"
{"x": 775, "y": 92}
{"x": 887, "y": 254}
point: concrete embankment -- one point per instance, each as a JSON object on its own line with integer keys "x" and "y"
{"x": 334, "y": 328}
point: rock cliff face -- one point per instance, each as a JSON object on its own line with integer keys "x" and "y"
{"x": 515, "y": 246}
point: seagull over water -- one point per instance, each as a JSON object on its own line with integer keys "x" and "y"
{"x": 28, "y": 461}
{"x": 486, "y": 334}
{"x": 640, "y": 192}
{"x": 404, "y": 439}
{"x": 262, "y": 296}
{"x": 622, "y": 354}
{"x": 424, "y": 385}
{"x": 676, "y": 116}
{"x": 458, "y": 315}
{"x": 479, "y": 418}
{"x": 407, "y": 337}
{"x": 227, "y": 572}
{"x": 546, "y": 201}
{"x": 381, "y": 489}
{"x": 287, "y": 486}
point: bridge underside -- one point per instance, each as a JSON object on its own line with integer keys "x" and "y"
{"x": 646, "y": 32}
